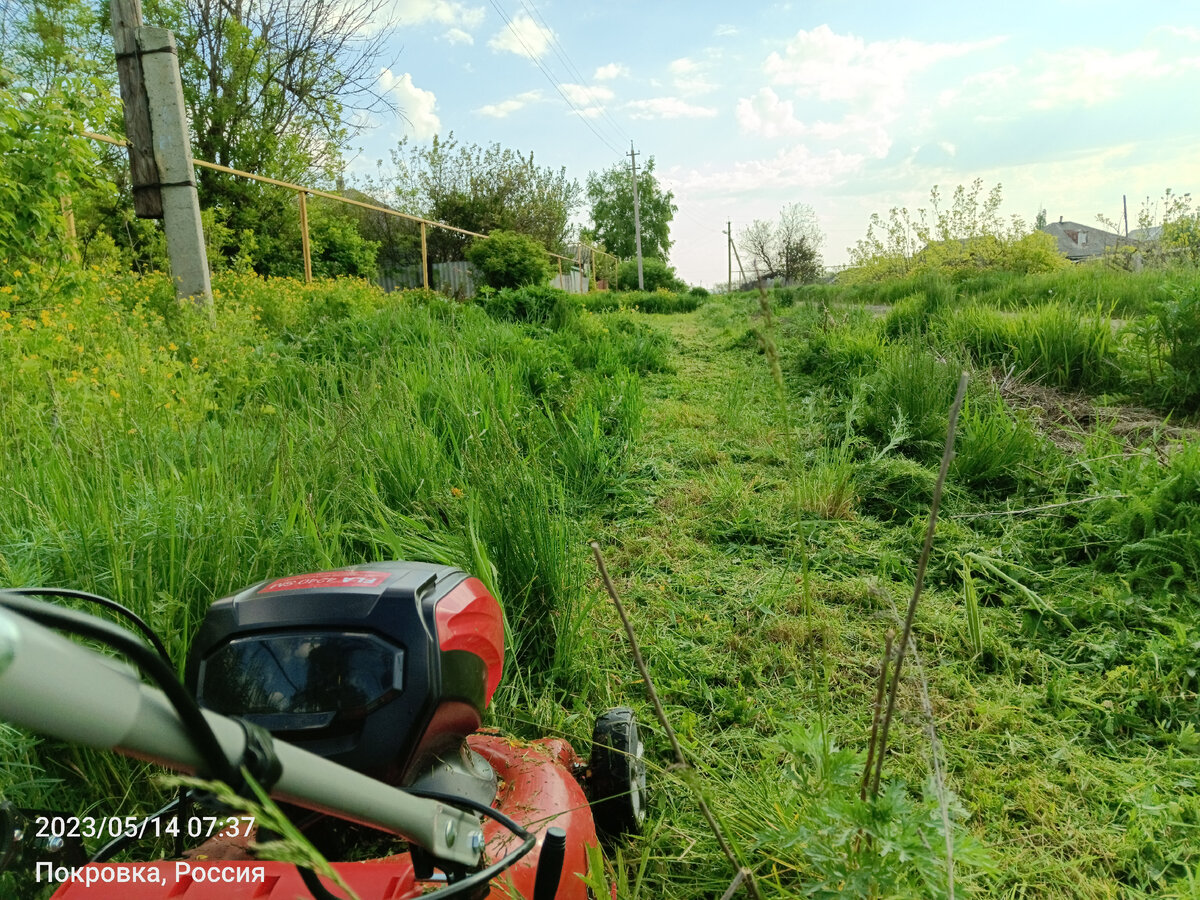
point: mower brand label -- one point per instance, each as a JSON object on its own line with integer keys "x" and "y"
{"x": 343, "y": 579}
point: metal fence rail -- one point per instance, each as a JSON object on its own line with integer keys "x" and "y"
{"x": 459, "y": 279}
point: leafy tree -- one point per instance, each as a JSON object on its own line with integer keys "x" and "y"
{"x": 272, "y": 87}
{"x": 480, "y": 189}
{"x": 506, "y": 259}
{"x": 790, "y": 248}
{"x": 43, "y": 160}
{"x": 57, "y": 60}
{"x": 1178, "y": 237}
{"x": 611, "y": 196}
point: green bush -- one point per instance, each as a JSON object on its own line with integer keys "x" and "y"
{"x": 336, "y": 245}
{"x": 506, "y": 259}
{"x": 43, "y": 160}
{"x": 656, "y": 274}
{"x": 542, "y": 305}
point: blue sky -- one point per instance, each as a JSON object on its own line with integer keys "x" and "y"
{"x": 850, "y": 107}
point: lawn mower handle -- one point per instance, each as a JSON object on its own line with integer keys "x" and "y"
{"x": 53, "y": 686}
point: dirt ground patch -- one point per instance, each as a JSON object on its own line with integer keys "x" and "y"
{"x": 1066, "y": 417}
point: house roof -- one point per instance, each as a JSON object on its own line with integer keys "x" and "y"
{"x": 1078, "y": 241}
{"x": 1153, "y": 233}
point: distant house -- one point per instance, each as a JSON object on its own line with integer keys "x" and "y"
{"x": 1079, "y": 242}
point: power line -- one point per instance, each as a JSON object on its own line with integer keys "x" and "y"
{"x": 565, "y": 59}
{"x": 553, "y": 81}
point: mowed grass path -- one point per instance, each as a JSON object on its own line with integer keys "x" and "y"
{"x": 745, "y": 647}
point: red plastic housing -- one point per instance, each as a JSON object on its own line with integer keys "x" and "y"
{"x": 538, "y": 791}
{"x": 469, "y": 618}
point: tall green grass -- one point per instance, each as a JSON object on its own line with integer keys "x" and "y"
{"x": 326, "y": 428}
{"x": 1128, "y": 294}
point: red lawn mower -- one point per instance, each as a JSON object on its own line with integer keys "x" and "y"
{"x": 353, "y": 696}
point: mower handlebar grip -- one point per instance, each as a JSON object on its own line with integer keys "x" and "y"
{"x": 53, "y": 686}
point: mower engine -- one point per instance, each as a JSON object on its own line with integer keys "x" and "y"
{"x": 385, "y": 668}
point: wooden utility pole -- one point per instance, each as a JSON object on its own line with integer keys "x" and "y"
{"x": 160, "y": 159}
{"x": 637, "y": 217}
{"x": 1125, "y": 207}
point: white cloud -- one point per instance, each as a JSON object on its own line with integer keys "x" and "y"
{"x": 441, "y": 12}
{"x": 1087, "y": 76}
{"x": 845, "y": 68}
{"x": 458, "y": 36}
{"x": 583, "y": 95}
{"x": 1073, "y": 77}
{"x": 668, "y": 108}
{"x": 507, "y": 107}
{"x": 796, "y": 167}
{"x": 523, "y": 37}
{"x": 1186, "y": 31}
{"x": 767, "y": 115}
{"x": 689, "y": 77}
{"x": 610, "y": 71}
{"x": 725, "y": 31}
{"x": 417, "y": 106}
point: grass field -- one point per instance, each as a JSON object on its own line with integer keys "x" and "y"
{"x": 759, "y": 490}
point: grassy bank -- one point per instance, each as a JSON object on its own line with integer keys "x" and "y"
{"x": 1084, "y": 286}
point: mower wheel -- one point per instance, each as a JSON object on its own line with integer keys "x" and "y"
{"x": 617, "y": 774}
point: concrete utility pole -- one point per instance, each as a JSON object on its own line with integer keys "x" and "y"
{"x": 637, "y": 217}
{"x": 156, "y": 129}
